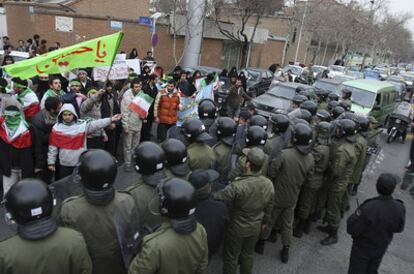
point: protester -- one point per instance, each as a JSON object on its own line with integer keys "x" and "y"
{"x": 26, "y": 97}
{"x": 110, "y": 107}
{"x": 84, "y": 80}
{"x": 150, "y": 88}
{"x": 55, "y": 89}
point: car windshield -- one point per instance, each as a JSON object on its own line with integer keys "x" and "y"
{"x": 318, "y": 69}
{"x": 361, "y": 97}
{"x": 337, "y": 68}
{"x": 325, "y": 86}
{"x": 282, "y": 91}
{"x": 252, "y": 75}
{"x": 408, "y": 77}
{"x": 295, "y": 70}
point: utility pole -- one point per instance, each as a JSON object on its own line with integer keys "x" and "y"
{"x": 300, "y": 31}
{"x": 194, "y": 33}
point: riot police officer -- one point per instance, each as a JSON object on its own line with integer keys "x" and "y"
{"x": 252, "y": 196}
{"x": 226, "y": 131}
{"x": 256, "y": 137}
{"x": 294, "y": 110}
{"x": 39, "y": 239}
{"x": 342, "y": 170}
{"x": 277, "y": 139}
{"x": 346, "y": 95}
{"x": 333, "y": 97}
{"x": 177, "y": 160}
{"x": 93, "y": 213}
{"x": 310, "y": 106}
{"x": 345, "y": 104}
{"x": 323, "y": 116}
{"x": 200, "y": 155}
{"x": 150, "y": 163}
{"x": 309, "y": 191}
{"x": 322, "y": 97}
{"x": 332, "y": 105}
{"x": 337, "y": 111}
{"x": 293, "y": 167}
{"x": 207, "y": 112}
{"x": 179, "y": 246}
{"x": 258, "y": 120}
{"x": 362, "y": 146}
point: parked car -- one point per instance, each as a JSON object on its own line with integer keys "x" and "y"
{"x": 372, "y": 74}
{"x": 336, "y": 70}
{"x": 356, "y": 74}
{"x": 343, "y": 77}
{"x": 278, "y": 99}
{"x": 203, "y": 70}
{"x": 258, "y": 80}
{"x": 371, "y": 97}
{"x": 296, "y": 70}
{"x": 409, "y": 79}
{"x": 317, "y": 71}
{"x": 400, "y": 88}
{"x": 330, "y": 85}
{"x": 383, "y": 72}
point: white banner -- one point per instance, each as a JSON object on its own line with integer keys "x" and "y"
{"x": 119, "y": 70}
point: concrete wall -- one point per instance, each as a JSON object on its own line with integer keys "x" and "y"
{"x": 3, "y": 23}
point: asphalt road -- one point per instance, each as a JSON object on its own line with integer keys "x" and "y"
{"x": 307, "y": 255}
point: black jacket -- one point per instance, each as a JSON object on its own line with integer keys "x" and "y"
{"x": 40, "y": 137}
{"x": 214, "y": 216}
{"x": 153, "y": 93}
{"x": 16, "y": 157}
{"x": 375, "y": 221}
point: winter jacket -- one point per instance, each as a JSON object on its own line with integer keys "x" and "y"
{"x": 70, "y": 156}
{"x": 91, "y": 110}
{"x": 130, "y": 119}
{"x": 166, "y": 107}
{"x": 41, "y": 130}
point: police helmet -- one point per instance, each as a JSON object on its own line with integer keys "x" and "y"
{"x": 332, "y": 105}
{"x": 323, "y": 116}
{"x": 346, "y": 93}
{"x": 346, "y": 128}
{"x": 333, "y": 96}
{"x": 310, "y": 106}
{"x": 305, "y": 115}
{"x": 258, "y": 120}
{"x": 337, "y": 111}
{"x": 299, "y": 99}
{"x": 363, "y": 123}
{"x": 280, "y": 122}
{"x": 207, "y": 109}
{"x": 302, "y": 137}
{"x": 226, "y": 130}
{"x": 195, "y": 131}
{"x": 255, "y": 136}
{"x": 149, "y": 158}
{"x": 346, "y": 105}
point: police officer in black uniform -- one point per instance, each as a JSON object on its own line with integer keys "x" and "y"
{"x": 372, "y": 227}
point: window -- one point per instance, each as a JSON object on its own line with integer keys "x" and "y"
{"x": 378, "y": 100}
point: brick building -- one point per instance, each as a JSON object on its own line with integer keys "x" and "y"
{"x": 72, "y": 21}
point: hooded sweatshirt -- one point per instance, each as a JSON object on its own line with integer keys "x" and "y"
{"x": 69, "y": 140}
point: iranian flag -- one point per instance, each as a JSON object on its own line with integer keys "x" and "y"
{"x": 141, "y": 104}
{"x": 68, "y": 136}
{"x": 30, "y": 104}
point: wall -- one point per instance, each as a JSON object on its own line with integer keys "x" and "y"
{"x": 3, "y": 23}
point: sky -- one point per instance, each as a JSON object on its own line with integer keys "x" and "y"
{"x": 403, "y": 6}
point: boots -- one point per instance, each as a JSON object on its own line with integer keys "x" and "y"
{"x": 332, "y": 237}
{"x": 298, "y": 230}
{"x": 306, "y": 226}
{"x": 273, "y": 236}
{"x": 259, "y": 248}
{"x": 284, "y": 254}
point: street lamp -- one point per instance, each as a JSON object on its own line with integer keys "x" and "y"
{"x": 155, "y": 17}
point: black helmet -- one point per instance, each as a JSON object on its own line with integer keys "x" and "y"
{"x": 226, "y": 130}
{"x": 346, "y": 128}
{"x": 323, "y": 116}
{"x": 149, "y": 158}
{"x": 346, "y": 105}
{"x": 332, "y": 105}
{"x": 195, "y": 131}
{"x": 307, "y": 93}
{"x": 363, "y": 123}
{"x": 29, "y": 200}
{"x": 299, "y": 89}
{"x": 324, "y": 131}
{"x": 302, "y": 137}
{"x": 333, "y": 96}
{"x": 346, "y": 93}
{"x": 353, "y": 117}
{"x": 258, "y": 120}
{"x": 207, "y": 109}
{"x": 305, "y": 115}
{"x": 176, "y": 155}
{"x": 310, "y": 106}
{"x": 300, "y": 121}
{"x": 177, "y": 202}
{"x": 322, "y": 93}
{"x": 337, "y": 111}
{"x": 299, "y": 99}
{"x": 255, "y": 136}
{"x": 97, "y": 169}
{"x": 280, "y": 122}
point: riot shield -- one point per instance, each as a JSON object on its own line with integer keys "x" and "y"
{"x": 63, "y": 189}
{"x": 128, "y": 230}
{"x": 7, "y": 227}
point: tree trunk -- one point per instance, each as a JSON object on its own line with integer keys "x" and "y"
{"x": 244, "y": 54}
{"x": 324, "y": 53}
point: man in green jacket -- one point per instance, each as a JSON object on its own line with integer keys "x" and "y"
{"x": 342, "y": 171}
{"x": 308, "y": 194}
{"x": 179, "y": 246}
{"x": 40, "y": 246}
{"x": 289, "y": 173}
{"x": 223, "y": 149}
{"x": 200, "y": 155}
{"x": 251, "y": 196}
{"x": 150, "y": 163}
{"x": 102, "y": 213}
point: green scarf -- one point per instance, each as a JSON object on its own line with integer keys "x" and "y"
{"x": 51, "y": 92}
{"x": 24, "y": 93}
{"x": 13, "y": 119}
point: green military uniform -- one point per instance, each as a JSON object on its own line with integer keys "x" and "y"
{"x": 307, "y": 199}
{"x": 273, "y": 147}
{"x": 96, "y": 223}
{"x": 252, "y": 198}
{"x": 63, "y": 252}
{"x": 223, "y": 154}
{"x": 200, "y": 156}
{"x": 146, "y": 200}
{"x": 170, "y": 174}
{"x": 288, "y": 175}
{"x": 342, "y": 171}
{"x": 241, "y": 161}
{"x": 167, "y": 252}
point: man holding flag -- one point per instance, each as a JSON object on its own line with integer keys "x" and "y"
{"x": 26, "y": 97}
{"x": 134, "y": 109}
